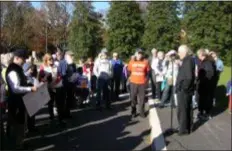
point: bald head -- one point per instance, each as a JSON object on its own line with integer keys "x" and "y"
{"x": 183, "y": 51}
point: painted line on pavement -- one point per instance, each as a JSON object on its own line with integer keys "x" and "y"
{"x": 157, "y": 138}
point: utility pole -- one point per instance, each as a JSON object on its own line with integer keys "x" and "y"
{"x": 46, "y": 37}
{"x": 65, "y": 38}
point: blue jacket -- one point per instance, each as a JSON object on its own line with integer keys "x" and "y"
{"x": 117, "y": 66}
{"x": 62, "y": 68}
{"x": 219, "y": 65}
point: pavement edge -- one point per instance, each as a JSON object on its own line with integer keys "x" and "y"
{"x": 156, "y": 137}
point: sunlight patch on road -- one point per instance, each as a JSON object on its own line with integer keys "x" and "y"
{"x": 45, "y": 147}
{"x": 157, "y": 137}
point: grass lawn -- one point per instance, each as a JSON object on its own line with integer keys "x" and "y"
{"x": 225, "y": 76}
{"x": 222, "y": 99}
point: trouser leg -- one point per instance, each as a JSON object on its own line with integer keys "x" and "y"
{"x": 19, "y": 127}
{"x": 166, "y": 94}
{"x": 69, "y": 100}
{"x": 117, "y": 86}
{"x": 2, "y": 133}
{"x": 99, "y": 91}
{"x": 51, "y": 104}
{"x": 202, "y": 98}
{"x": 158, "y": 90}
{"x": 60, "y": 102}
{"x": 184, "y": 113}
{"x": 208, "y": 103}
{"x": 133, "y": 96}
{"x": 153, "y": 85}
{"x": 30, "y": 122}
{"x": 112, "y": 91}
{"x": 106, "y": 92}
{"x": 141, "y": 98}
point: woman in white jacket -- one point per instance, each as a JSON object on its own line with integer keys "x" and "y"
{"x": 104, "y": 72}
{"x": 170, "y": 76}
{"x": 160, "y": 70}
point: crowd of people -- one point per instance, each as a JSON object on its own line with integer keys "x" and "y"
{"x": 174, "y": 77}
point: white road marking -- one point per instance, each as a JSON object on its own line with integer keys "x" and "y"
{"x": 45, "y": 148}
{"x": 157, "y": 137}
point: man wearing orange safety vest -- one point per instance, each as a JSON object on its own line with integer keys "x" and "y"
{"x": 138, "y": 70}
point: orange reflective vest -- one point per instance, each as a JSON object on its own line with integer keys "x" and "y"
{"x": 139, "y": 71}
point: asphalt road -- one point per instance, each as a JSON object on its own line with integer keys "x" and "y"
{"x": 90, "y": 129}
{"x": 214, "y": 134}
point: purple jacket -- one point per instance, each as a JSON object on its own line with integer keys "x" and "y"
{"x": 125, "y": 72}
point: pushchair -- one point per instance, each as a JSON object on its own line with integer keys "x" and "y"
{"x": 82, "y": 89}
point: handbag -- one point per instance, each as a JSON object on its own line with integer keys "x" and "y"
{"x": 163, "y": 85}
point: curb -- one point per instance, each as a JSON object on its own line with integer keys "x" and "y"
{"x": 157, "y": 138}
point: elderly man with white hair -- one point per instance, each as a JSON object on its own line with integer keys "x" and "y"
{"x": 185, "y": 90}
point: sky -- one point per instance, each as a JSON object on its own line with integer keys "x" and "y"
{"x": 103, "y": 5}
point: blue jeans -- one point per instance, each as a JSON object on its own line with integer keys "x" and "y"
{"x": 103, "y": 92}
{"x": 167, "y": 94}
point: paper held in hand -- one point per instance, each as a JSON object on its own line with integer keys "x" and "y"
{"x": 34, "y": 101}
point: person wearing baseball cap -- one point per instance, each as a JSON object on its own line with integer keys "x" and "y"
{"x": 138, "y": 69}
{"x": 17, "y": 87}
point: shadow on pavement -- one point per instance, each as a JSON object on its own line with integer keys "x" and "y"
{"x": 89, "y": 130}
{"x": 221, "y": 101}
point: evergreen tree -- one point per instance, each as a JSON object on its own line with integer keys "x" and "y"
{"x": 85, "y": 35}
{"x": 162, "y": 26}
{"x": 208, "y": 25}
{"x": 125, "y": 27}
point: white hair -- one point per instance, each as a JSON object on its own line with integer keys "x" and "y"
{"x": 6, "y": 58}
{"x": 207, "y": 51}
{"x": 185, "y": 49}
{"x": 153, "y": 50}
{"x": 115, "y": 54}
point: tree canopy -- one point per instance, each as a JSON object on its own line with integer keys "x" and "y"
{"x": 125, "y": 27}
{"x": 85, "y": 37}
{"x": 162, "y": 26}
